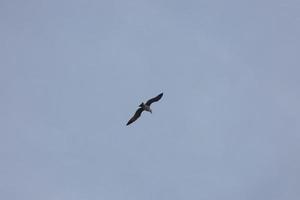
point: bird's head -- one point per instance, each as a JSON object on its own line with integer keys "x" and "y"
{"x": 141, "y": 105}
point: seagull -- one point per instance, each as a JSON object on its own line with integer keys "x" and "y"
{"x": 144, "y": 107}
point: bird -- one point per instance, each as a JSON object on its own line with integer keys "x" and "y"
{"x": 144, "y": 107}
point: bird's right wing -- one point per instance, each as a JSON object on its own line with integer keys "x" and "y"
{"x": 157, "y": 98}
{"x": 135, "y": 116}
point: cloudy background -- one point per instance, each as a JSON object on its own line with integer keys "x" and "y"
{"x": 73, "y": 72}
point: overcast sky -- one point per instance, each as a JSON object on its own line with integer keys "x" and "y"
{"x": 73, "y": 72}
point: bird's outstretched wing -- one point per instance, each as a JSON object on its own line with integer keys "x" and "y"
{"x": 157, "y": 98}
{"x": 135, "y": 116}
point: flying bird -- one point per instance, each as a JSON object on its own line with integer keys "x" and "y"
{"x": 144, "y": 107}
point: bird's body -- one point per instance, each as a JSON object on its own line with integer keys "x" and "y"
{"x": 144, "y": 107}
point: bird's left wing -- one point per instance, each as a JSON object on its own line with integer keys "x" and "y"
{"x": 135, "y": 116}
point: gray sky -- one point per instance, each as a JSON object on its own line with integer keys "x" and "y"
{"x": 73, "y": 72}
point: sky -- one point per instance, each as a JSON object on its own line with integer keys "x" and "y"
{"x": 72, "y": 73}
